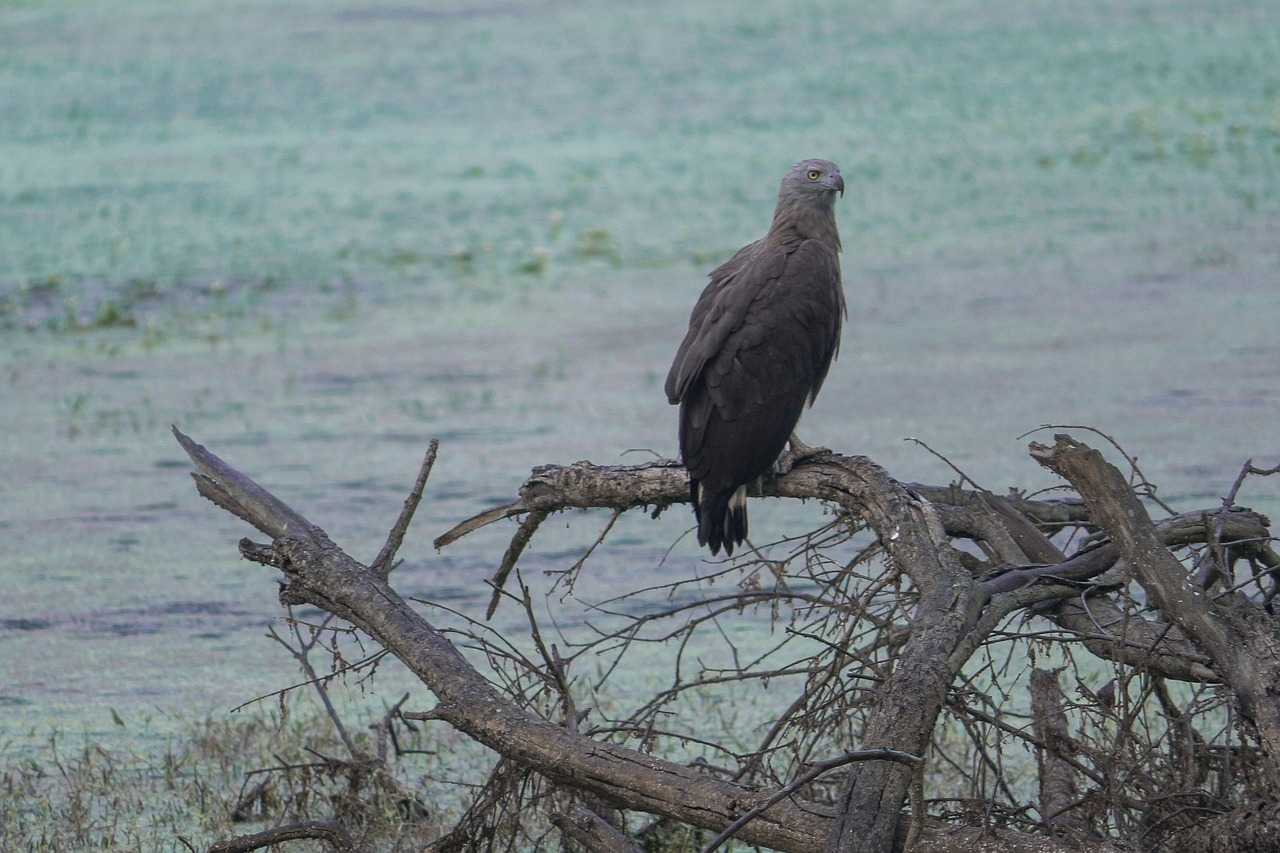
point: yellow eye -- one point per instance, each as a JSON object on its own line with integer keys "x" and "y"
{"x": 814, "y": 174}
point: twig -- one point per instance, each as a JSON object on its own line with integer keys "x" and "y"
{"x": 385, "y": 731}
{"x": 521, "y": 538}
{"x": 1245, "y": 470}
{"x": 963, "y": 476}
{"x": 556, "y": 669}
{"x": 351, "y": 667}
{"x": 1228, "y": 502}
{"x": 302, "y": 654}
{"x": 382, "y": 563}
{"x": 567, "y": 576}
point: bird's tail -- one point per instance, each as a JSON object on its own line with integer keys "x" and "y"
{"x": 721, "y": 516}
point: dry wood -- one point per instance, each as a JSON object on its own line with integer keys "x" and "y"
{"x": 958, "y": 601}
{"x": 594, "y": 833}
{"x": 1242, "y": 641}
{"x": 325, "y": 830}
{"x": 321, "y": 574}
{"x": 1058, "y": 792}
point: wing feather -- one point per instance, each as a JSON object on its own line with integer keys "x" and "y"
{"x": 760, "y": 342}
{"x": 720, "y": 311}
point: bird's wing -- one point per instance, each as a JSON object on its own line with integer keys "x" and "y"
{"x": 816, "y": 301}
{"x": 720, "y": 312}
{"x": 781, "y": 349}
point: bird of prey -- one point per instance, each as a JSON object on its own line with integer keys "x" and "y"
{"x": 760, "y": 341}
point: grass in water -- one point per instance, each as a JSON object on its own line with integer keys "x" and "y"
{"x": 220, "y": 779}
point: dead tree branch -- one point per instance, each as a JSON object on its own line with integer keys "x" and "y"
{"x": 1242, "y": 641}
{"x": 593, "y": 832}
{"x": 894, "y": 650}
{"x": 1058, "y": 793}
{"x": 319, "y": 573}
{"x": 382, "y": 563}
{"x": 326, "y": 830}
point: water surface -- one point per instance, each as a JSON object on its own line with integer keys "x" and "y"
{"x": 316, "y": 235}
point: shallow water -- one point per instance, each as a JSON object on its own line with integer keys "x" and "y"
{"x": 315, "y": 236}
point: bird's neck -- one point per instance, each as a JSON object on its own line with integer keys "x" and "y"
{"x": 794, "y": 223}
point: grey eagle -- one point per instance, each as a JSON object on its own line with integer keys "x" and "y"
{"x": 761, "y": 339}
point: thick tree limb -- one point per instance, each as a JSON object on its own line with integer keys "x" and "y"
{"x": 950, "y": 602}
{"x": 318, "y": 572}
{"x": 1057, "y": 780}
{"x": 583, "y": 485}
{"x": 1242, "y": 641}
{"x": 1234, "y": 525}
{"x": 321, "y": 574}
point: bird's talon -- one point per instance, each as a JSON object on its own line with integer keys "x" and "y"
{"x": 798, "y": 453}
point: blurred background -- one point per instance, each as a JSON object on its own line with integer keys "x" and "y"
{"x": 316, "y": 235}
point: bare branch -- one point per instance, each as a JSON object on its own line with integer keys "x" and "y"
{"x": 804, "y": 779}
{"x": 1243, "y": 642}
{"x": 382, "y": 563}
{"x": 1057, "y": 783}
{"x": 240, "y": 496}
{"x": 518, "y": 542}
{"x": 872, "y": 647}
{"x": 326, "y": 830}
{"x": 323, "y": 575}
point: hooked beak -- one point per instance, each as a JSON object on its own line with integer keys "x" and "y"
{"x": 836, "y": 183}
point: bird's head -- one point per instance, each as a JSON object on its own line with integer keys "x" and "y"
{"x": 816, "y": 179}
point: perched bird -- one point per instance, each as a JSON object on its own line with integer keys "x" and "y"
{"x": 760, "y": 341}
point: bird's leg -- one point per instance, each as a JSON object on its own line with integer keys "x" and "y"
{"x": 798, "y": 453}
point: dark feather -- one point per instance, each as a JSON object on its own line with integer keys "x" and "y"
{"x": 760, "y": 341}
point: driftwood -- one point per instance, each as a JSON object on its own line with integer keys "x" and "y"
{"x": 1209, "y": 634}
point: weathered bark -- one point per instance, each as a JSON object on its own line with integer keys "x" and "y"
{"x": 978, "y": 840}
{"x": 325, "y": 830}
{"x": 1242, "y": 641}
{"x": 1106, "y": 630}
{"x": 958, "y": 603}
{"x": 319, "y": 573}
{"x": 1058, "y": 793}
{"x": 1252, "y": 828}
{"x": 591, "y": 831}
